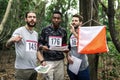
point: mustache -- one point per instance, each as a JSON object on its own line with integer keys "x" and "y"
{"x": 31, "y": 25}
{"x": 76, "y": 27}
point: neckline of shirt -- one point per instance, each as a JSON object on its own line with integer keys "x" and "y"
{"x": 30, "y": 31}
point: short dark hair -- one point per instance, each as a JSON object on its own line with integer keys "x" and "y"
{"x": 79, "y": 16}
{"x": 57, "y": 12}
{"x": 26, "y": 14}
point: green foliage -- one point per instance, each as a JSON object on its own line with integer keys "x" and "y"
{"x": 61, "y": 5}
{"x": 3, "y": 5}
{"x": 109, "y": 64}
{"x": 16, "y": 19}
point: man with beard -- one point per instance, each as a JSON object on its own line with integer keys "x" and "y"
{"x": 83, "y": 73}
{"x": 26, "y": 42}
{"x": 54, "y": 35}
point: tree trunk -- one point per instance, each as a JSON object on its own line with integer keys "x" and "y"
{"x": 89, "y": 14}
{"x": 6, "y": 15}
{"x": 111, "y": 24}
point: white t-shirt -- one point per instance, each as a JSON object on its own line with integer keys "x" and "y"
{"x": 26, "y": 49}
{"x": 74, "y": 52}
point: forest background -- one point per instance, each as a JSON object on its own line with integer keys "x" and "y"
{"x": 104, "y": 66}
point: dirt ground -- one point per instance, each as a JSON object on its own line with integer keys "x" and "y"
{"x": 106, "y": 70}
{"x": 7, "y": 71}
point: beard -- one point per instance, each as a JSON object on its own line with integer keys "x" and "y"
{"x": 31, "y": 24}
{"x": 56, "y": 25}
{"x": 76, "y": 27}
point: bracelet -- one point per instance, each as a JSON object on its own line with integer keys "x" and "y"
{"x": 42, "y": 61}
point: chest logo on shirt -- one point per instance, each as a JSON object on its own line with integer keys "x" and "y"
{"x": 31, "y": 46}
{"x": 55, "y": 41}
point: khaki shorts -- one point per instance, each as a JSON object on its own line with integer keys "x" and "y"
{"x": 56, "y": 72}
{"x": 25, "y": 74}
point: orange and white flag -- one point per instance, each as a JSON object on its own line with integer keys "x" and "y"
{"x": 92, "y": 40}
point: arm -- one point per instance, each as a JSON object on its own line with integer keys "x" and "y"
{"x": 69, "y": 59}
{"x": 12, "y": 40}
{"x": 42, "y": 41}
{"x": 68, "y": 55}
{"x": 40, "y": 58}
{"x": 9, "y": 42}
{"x": 44, "y": 48}
{"x": 72, "y": 30}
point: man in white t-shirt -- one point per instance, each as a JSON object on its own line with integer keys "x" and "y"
{"x": 83, "y": 70}
{"x": 26, "y": 42}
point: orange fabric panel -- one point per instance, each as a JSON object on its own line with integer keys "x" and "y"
{"x": 97, "y": 45}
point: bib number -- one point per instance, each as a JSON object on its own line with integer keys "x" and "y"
{"x": 55, "y": 41}
{"x": 31, "y": 46}
{"x": 73, "y": 42}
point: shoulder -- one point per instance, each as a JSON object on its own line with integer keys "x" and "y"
{"x": 47, "y": 28}
{"x": 19, "y": 29}
{"x": 63, "y": 29}
{"x": 35, "y": 32}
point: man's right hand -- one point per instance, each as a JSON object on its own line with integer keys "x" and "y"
{"x": 70, "y": 60}
{"x": 16, "y": 38}
{"x": 12, "y": 40}
{"x": 45, "y": 48}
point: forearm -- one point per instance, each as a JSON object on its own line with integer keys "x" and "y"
{"x": 69, "y": 58}
{"x": 9, "y": 43}
{"x": 75, "y": 34}
{"x": 68, "y": 55}
{"x": 40, "y": 56}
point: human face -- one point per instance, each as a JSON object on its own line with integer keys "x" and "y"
{"x": 31, "y": 19}
{"x": 75, "y": 22}
{"x": 56, "y": 19}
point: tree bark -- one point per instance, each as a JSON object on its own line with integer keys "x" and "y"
{"x": 86, "y": 6}
{"x": 111, "y": 24}
{"x": 5, "y": 16}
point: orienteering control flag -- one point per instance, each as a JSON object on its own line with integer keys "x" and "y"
{"x": 92, "y": 40}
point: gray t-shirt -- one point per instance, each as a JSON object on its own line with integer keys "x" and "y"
{"x": 26, "y": 49}
{"x": 73, "y": 52}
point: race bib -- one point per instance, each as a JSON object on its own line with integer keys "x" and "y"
{"x": 31, "y": 46}
{"x": 73, "y": 41}
{"x": 55, "y": 41}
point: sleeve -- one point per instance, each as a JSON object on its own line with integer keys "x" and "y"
{"x": 41, "y": 40}
{"x": 69, "y": 46}
{"x": 17, "y": 32}
{"x": 64, "y": 38}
